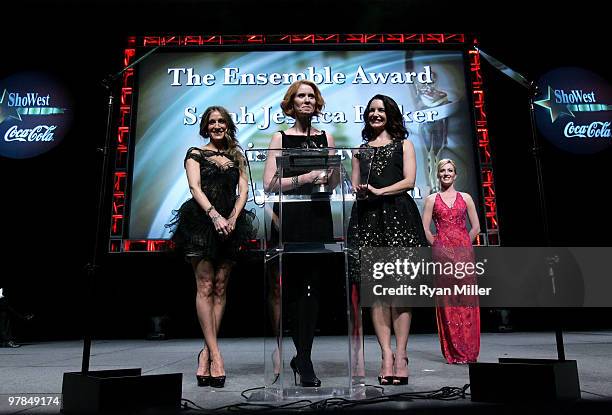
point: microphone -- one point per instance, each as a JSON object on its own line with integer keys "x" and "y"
{"x": 309, "y": 142}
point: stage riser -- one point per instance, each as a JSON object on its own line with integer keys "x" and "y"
{"x": 123, "y": 390}
{"x": 513, "y": 380}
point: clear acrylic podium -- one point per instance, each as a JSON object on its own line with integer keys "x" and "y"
{"x": 307, "y": 253}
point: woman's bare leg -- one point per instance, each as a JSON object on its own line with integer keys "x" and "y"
{"x": 381, "y": 320}
{"x": 274, "y": 309}
{"x": 204, "y": 274}
{"x": 402, "y": 317}
{"x": 219, "y": 299}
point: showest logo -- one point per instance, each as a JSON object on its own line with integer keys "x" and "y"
{"x": 575, "y": 96}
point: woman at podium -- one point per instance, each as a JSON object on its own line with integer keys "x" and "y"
{"x": 387, "y": 216}
{"x": 304, "y": 223}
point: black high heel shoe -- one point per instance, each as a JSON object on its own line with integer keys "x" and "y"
{"x": 402, "y": 380}
{"x": 216, "y": 381}
{"x": 306, "y": 380}
{"x": 202, "y": 380}
{"x": 388, "y": 379}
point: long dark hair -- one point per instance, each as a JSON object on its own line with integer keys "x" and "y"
{"x": 233, "y": 146}
{"x": 395, "y": 121}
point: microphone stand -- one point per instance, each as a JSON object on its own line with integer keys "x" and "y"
{"x": 559, "y": 378}
{"x": 92, "y": 267}
{"x": 309, "y": 143}
{"x": 536, "y": 151}
{"x": 318, "y": 188}
{"x": 113, "y": 390}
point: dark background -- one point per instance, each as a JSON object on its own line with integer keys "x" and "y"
{"x": 48, "y": 207}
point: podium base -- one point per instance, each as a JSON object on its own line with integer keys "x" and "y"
{"x": 270, "y": 394}
{"x": 121, "y": 390}
{"x": 525, "y": 380}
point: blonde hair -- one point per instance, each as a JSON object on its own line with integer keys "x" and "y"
{"x": 287, "y": 102}
{"x": 446, "y": 161}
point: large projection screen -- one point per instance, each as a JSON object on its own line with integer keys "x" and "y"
{"x": 176, "y": 86}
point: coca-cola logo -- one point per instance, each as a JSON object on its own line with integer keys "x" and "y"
{"x": 26, "y": 135}
{"x": 35, "y": 115}
{"x": 572, "y": 110}
{"x": 596, "y": 129}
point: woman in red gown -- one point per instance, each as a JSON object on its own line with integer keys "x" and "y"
{"x": 457, "y": 316}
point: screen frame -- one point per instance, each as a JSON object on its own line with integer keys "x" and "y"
{"x": 139, "y": 46}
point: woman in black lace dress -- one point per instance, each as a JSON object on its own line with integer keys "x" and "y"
{"x": 303, "y": 222}
{"x": 210, "y": 227}
{"x": 388, "y": 217}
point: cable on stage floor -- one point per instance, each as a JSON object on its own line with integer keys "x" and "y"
{"x": 596, "y": 394}
{"x": 446, "y": 393}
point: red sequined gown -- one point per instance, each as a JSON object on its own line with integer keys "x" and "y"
{"x": 457, "y": 316}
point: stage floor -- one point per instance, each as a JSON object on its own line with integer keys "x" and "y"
{"x": 36, "y": 369}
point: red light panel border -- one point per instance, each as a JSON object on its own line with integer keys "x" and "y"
{"x": 117, "y": 243}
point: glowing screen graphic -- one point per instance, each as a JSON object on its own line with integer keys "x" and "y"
{"x": 174, "y": 88}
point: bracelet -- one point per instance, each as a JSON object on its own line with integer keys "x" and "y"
{"x": 295, "y": 182}
{"x": 210, "y": 209}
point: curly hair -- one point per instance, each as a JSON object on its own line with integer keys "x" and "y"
{"x": 395, "y": 121}
{"x": 233, "y": 146}
{"x": 287, "y": 102}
